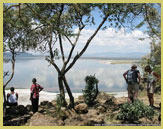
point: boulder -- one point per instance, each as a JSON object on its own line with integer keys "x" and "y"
{"x": 17, "y": 121}
{"x": 81, "y": 108}
{"x": 12, "y": 110}
{"x": 16, "y": 110}
{"x": 22, "y": 110}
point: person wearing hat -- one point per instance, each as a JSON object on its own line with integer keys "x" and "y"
{"x": 151, "y": 80}
{"x": 132, "y": 78}
{"x": 34, "y": 97}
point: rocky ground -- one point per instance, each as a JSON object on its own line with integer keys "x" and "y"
{"x": 104, "y": 112}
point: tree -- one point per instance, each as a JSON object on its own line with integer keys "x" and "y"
{"x": 153, "y": 19}
{"x": 14, "y": 30}
{"x": 53, "y": 24}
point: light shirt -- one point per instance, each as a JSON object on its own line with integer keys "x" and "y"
{"x": 151, "y": 77}
{"x": 12, "y": 98}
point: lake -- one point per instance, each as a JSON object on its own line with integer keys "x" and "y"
{"x": 108, "y": 72}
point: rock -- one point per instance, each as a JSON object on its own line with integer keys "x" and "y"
{"x": 41, "y": 110}
{"x": 101, "y": 109}
{"x": 26, "y": 117}
{"x": 81, "y": 108}
{"x": 81, "y": 98}
{"x": 63, "y": 113}
{"x": 16, "y": 110}
{"x": 54, "y": 103}
{"x": 92, "y": 118}
{"x": 60, "y": 123}
{"x": 21, "y": 120}
{"x": 145, "y": 121}
{"x": 108, "y": 101}
{"x": 94, "y": 121}
{"x": 22, "y": 110}
{"x": 29, "y": 108}
{"x": 75, "y": 120}
{"x": 12, "y": 110}
{"x": 46, "y": 103}
{"x": 43, "y": 120}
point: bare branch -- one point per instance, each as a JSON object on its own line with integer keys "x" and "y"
{"x": 68, "y": 40}
{"x": 61, "y": 47}
{"x": 5, "y": 74}
{"x": 59, "y": 33}
{"x": 74, "y": 44}
{"x": 50, "y": 46}
{"x": 13, "y": 68}
{"x": 86, "y": 45}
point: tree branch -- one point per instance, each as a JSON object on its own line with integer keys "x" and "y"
{"x": 61, "y": 47}
{"x": 50, "y": 46}
{"x": 17, "y": 5}
{"x": 74, "y": 44}
{"x": 13, "y": 68}
{"x": 68, "y": 40}
{"x": 147, "y": 19}
{"x": 86, "y": 45}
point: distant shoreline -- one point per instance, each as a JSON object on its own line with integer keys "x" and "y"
{"x": 96, "y": 58}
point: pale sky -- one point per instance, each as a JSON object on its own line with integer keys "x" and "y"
{"x": 111, "y": 41}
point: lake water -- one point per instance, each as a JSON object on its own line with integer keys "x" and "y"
{"x": 110, "y": 75}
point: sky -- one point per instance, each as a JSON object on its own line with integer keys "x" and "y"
{"x": 115, "y": 42}
{"x": 111, "y": 40}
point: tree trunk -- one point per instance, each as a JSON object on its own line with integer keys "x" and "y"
{"x": 4, "y": 103}
{"x": 71, "y": 105}
{"x": 62, "y": 92}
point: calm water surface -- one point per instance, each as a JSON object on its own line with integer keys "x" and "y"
{"x": 109, "y": 75}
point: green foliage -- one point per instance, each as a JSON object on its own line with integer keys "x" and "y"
{"x": 60, "y": 114}
{"x": 134, "y": 111}
{"x": 154, "y": 60}
{"x": 91, "y": 89}
{"x": 60, "y": 102}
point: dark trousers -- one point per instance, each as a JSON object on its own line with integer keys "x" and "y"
{"x": 35, "y": 104}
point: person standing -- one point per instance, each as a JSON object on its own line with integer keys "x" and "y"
{"x": 152, "y": 77}
{"x": 34, "y": 96}
{"x": 132, "y": 78}
{"x": 12, "y": 97}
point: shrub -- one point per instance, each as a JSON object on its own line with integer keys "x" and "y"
{"x": 134, "y": 111}
{"x": 59, "y": 102}
{"x": 91, "y": 89}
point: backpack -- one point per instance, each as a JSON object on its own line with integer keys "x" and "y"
{"x": 131, "y": 77}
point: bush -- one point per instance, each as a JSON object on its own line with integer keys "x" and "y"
{"x": 134, "y": 111}
{"x": 91, "y": 90}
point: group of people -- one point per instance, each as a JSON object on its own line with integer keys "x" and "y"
{"x": 12, "y": 97}
{"x": 131, "y": 76}
{"x": 133, "y": 80}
